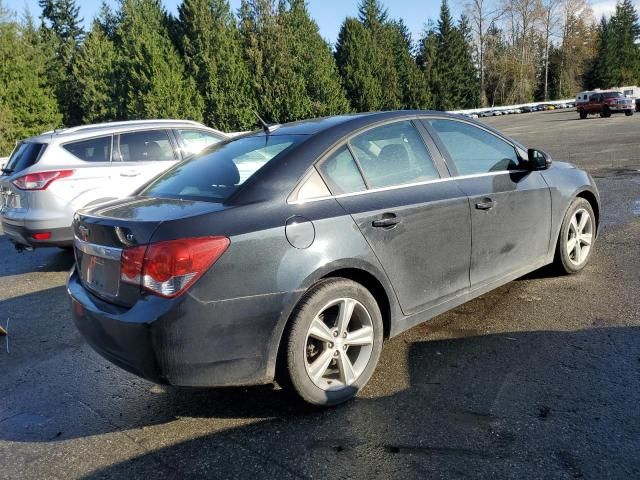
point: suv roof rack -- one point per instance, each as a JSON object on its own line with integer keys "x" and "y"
{"x": 96, "y": 126}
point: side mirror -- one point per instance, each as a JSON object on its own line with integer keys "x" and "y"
{"x": 538, "y": 160}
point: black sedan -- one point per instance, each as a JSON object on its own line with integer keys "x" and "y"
{"x": 293, "y": 252}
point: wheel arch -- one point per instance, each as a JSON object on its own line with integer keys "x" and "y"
{"x": 590, "y": 197}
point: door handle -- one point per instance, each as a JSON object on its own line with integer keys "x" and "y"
{"x": 388, "y": 220}
{"x": 485, "y": 204}
{"x": 130, "y": 174}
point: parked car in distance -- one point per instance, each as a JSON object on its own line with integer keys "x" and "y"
{"x": 294, "y": 252}
{"x": 50, "y": 176}
{"x": 605, "y": 104}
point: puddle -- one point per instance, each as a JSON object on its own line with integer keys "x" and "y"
{"x": 635, "y": 207}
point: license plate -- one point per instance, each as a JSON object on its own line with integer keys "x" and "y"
{"x": 100, "y": 274}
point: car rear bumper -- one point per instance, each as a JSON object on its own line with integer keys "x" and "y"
{"x": 24, "y": 235}
{"x": 183, "y": 341}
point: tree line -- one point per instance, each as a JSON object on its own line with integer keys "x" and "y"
{"x": 211, "y": 64}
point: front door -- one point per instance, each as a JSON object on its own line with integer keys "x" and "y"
{"x": 510, "y": 204}
{"x": 416, "y": 223}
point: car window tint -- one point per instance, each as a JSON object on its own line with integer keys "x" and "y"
{"x": 474, "y": 150}
{"x": 92, "y": 150}
{"x": 215, "y": 173}
{"x": 197, "y": 140}
{"x": 24, "y": 155}
{"x": 393, "y": 154}
{"x": 341, "y": 172}
{"x": 146, "y": 146}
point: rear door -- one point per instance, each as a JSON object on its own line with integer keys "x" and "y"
{"x": 510, "y": 205}
{"x": 416, "y": 222}
{"x": 142, "y": 155}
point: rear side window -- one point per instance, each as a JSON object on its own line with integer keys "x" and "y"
{"x": 92, "y": 150}
{"x": 24, "y": 155}
{"x": 393, "y": 154}
{"x": 474, "y": 150}
{"x": 146, "y": 146}
{"x": 214, "y": 174}
{"x": 341, "y": 172}
{"x": 195, "y": 141}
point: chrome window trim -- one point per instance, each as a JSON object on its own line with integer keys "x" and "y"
{"x": 101, "y": 251}
{"x": 407, "y": 185}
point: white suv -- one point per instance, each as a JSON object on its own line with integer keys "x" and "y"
{"x": 48, "y": 177}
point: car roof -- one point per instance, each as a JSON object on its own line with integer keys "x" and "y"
{"x": 106, "y": 128}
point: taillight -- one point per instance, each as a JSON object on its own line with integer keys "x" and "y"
{"x": 40, "y": 180}
{"x": 169, "y": 268}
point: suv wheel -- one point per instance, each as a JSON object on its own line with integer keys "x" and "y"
{"x": 628, "y": 113}
{"x": 606, "y": 113}
{"x": 583, "y": 114}
{"x": 577, "y": 234}
{"x": 334, "y": 342}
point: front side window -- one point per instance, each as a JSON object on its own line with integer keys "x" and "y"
{"x": 146, "y": 146}
{"x": 393, "y": 154}
{"x": 214, "y": 174}
{"x": 195, "y": 141}
{"x": 92, "y": 150}
{"x": 474, "y": 150}
{"x": 341, "y": 172}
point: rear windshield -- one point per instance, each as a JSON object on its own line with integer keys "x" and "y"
{"x": 24, "y": 155}
{"x": 214, "y": 174}
{"x": 612, "y": 95}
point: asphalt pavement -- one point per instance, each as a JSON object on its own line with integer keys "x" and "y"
{"x": 537, "y": 379}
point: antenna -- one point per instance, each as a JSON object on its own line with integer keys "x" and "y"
{"x": 265, "y": 126}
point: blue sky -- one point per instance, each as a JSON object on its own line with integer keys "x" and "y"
{"x": 328, "y": 13}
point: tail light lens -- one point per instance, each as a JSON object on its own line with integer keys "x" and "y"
{"x": 40, "y": 180}
{"x": 169, "y": 268}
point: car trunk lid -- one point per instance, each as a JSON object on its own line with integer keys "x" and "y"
{"x": 104, "y": 232}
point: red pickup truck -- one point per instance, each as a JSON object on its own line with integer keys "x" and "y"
{"x": 606, "y": 103}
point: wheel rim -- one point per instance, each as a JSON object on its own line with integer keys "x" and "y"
{"x": 339, "y": 344}
{"x": 579, "y": 237}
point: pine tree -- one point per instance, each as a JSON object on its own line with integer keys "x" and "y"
{"x": 212, "y": 48}
{"x": 96, "y": 70}
{"x": 452, "y": 73}
{"x": 155, "y": 84}
{"x": 625, "y": 29}
{"x": 27, "y": 104}
{"x": 62, "y": 34}
{"x": 294, "y": 75}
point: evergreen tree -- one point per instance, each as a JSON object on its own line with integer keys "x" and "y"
{"x": 62, "y": 34}
{"x": 212, "y": 49}
{"x": 294, "y": 75}
{"x": 27, "y": 104}
{"x": 452, "y": 73}
{"x": 155, "y": 84}
{"x": 96, "y": 71}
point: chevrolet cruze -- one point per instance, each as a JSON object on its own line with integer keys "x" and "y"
{"x": 293, "y": 252}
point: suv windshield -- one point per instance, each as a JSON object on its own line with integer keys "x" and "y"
{"x": 214, "y": 174}
{"x": 612, "y": 95}
{"x": 24, "y": 155}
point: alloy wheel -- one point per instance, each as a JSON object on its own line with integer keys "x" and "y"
{"x": 339, "y": 344}
{"x": 579, "y": 236}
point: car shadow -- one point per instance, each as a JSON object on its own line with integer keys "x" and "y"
{"x": 50, "y": 259}
{"x": 511, "y": 405}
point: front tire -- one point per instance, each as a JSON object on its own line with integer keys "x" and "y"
{"x": 334, "y": 343}
{"x": 583, "y": 114}
{"x": 606, "y": 113}
{"x": 576, "y": 239}
{"x": 628, "y": 113}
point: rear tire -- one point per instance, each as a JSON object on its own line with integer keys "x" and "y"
{"x": 606, "y": 113}
{"x": 333, "y": 344}
{"x": 576, "y": 238}
{"x": 583, "y": 114}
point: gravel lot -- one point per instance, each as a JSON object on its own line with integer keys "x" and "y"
{"x": 538, "y": 379}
